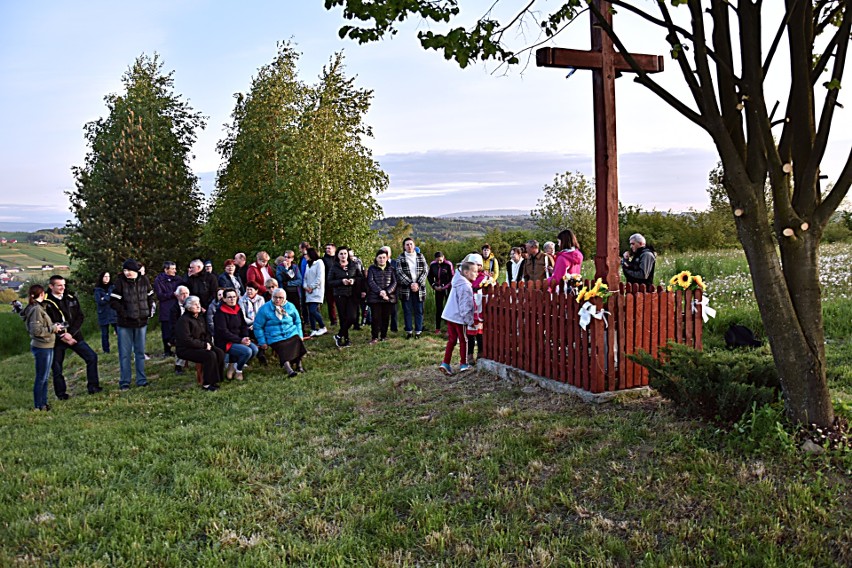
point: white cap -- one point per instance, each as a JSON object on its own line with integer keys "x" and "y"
{"x": 474, "y": 258}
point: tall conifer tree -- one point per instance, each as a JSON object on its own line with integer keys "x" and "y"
{"x": 136, "y": 195}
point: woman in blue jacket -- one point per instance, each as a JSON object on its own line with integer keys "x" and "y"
{"x": 279, "y": 327}
{"x": 106, "y": 315}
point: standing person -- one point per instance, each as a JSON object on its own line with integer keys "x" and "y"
{"x": 42, "y": 332}
{"x": 289, "y": 277}
{"x": 394, "y": 327}
{"x": 569, "y": 260}
{"x": 63, "y": 306}
{"x": 489, "y": 263}
{"x": 411, "y": 274}
{"x": 132, "y": 300}
{"x": 360, "y": 292}
{"x": 440, "y": 278}
{"x": 549, "y": 249}
{"x": 475, "y": 331}
{"x": 241, "y": 264}
{"x": 303, "y": 267}
{"x": 106, "y": 315}
{"x": 344, "y": 280}
{"x": 230, "y": 279}
{"x": 193, "y": 343}
{"x": 638, "y": 267}
{"x": 314, "y": 285}
{"x": 177, "y": 309}
{"x": 201, "y": 283}
{"x": 232, "y": 334}
{"x": 515, "y": 266}
{"x": 165, "y": 285}
{"x": 536, "y": 265}
{"x": 279, "y": 327}
{"x": 381, "y": 295}
{"x": 459, "y": 314}
{"x": 259, "y": 272}
{"x": 328, "y": 261}
{"x": 208, "y": 266}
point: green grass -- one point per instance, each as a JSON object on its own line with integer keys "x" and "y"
{"x": 373, "y": 458}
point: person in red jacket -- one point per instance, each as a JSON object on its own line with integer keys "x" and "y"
{"x": 259, "y": 272}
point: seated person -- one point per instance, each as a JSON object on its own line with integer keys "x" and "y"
{"x": 193, "y": 343}
{"x": 231, "y": 334}
{"x": 279, "y": 327}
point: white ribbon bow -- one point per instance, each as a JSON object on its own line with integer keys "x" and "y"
{"x": 706, "y": 312}
{"x": 589, "y": 311}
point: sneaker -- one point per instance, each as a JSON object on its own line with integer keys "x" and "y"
{"x": 437, "y": 332}
{"x": 374, "y": 342}
{"x": 408, "y": 335}
{"x": 239, "y": 375}
{"x": 231, "y": 370}
{"x": 178, "y": 370}
{"x": 347, "y": 343}
{"x": 446, "y": 369}
{"x": 301, "y": 369}
{"x": 95, "y": 390}
{"x": 124, "y": 388}
{"x": 322, "y": 331}
{"x": 292, "y": 374}
{"x": 210, "y": 388}
{"x": 338, "y": 341}
{"x": 418, "y": 334}
{"x": 147, "y": 357}
{"x": 314, "y": 332}
{"x": 464, "y": 367}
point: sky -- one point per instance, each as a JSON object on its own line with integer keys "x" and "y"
{"x": 451, "y": 140}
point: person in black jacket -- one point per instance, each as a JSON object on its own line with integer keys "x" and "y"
{"x": 440, "y": 278}
{"x": 202, "y": 283}
{"x": 344, "y": 280}
{"x": 328, "y": 260}
{"x": 638, "y": 267}
{"x": 64, "y": 307}
{"x": 381, "y": 295}
{"x": 193, "y": 343}
{"x": 132, "y": 299}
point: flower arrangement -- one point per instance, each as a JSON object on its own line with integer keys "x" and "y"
{"x": 686, "y": 281}
{"x": 599, "y": 290}
{"x": 573, "y": 282}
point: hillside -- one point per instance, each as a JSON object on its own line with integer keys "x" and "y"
{"x": 454, "y": 229}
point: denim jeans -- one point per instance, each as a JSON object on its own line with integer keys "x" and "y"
{"x": 105, "y": 337}
{"x": 132, "y": 339}
{"x": 414, "y": 306}
{"x": 241, "y": 354}
{"x": 43, "y": 361}
{"x": 314, "y": 314}
{"x": 86, "y": 353}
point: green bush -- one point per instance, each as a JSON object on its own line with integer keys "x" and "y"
{"x": 718, "y": 385}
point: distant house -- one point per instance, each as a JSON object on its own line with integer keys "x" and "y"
{"x": 3, "y": 241}
{"x": 47, "y": 267}
{"x": 14, "y": 285}
{"x": 41, "y": 243}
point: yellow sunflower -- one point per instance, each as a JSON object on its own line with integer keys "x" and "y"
{"x": 594, "y": 291}
{"x": 673, "y": 280}
{"x": 698, "y": 281}
{"x": 581, "y": 294}
{"x": 684, "y": 279}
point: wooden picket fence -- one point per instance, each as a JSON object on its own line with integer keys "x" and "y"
{"x": 529, "y": 327}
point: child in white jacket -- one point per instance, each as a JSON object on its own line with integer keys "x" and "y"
{"x": 458, "y": 313}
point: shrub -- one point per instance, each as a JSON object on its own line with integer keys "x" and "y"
{"x": 719, "y": 385}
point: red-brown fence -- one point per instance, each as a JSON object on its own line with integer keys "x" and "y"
{"x": 531, "y": 328}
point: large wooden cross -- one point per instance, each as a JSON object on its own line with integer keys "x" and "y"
{"x": 606, "y": 64}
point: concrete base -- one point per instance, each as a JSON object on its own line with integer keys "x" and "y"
{"x": 519, "y": 377}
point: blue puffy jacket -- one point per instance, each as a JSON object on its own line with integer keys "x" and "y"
{"x": 268, "y": 329}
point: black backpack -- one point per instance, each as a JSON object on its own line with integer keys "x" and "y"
{"x": 741, "y": 336}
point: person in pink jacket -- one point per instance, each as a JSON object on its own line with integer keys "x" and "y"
{"x": 569, "y": 259}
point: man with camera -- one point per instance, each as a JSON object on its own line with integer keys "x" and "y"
{"x": 64, "y": 308}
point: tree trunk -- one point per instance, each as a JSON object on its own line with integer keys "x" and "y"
{"x": 791, "y": 310}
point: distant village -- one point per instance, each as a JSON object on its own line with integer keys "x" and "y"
{"x": 13, "y": 274}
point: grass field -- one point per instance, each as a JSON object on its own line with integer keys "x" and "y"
{"x": 373, "y": 458}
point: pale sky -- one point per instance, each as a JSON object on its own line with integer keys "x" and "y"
{"x": 450, "y": 139}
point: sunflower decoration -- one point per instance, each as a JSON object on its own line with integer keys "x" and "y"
{"x": 686, "y": 281}
{"x": 599, "y": 290}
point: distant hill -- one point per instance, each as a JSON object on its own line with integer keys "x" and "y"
{"x": 488, "y": 213}
{"x": 456, "y": 229}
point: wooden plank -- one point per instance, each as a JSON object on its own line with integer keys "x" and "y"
{"x": 609, "y": 332}
{"x": 629, "y": 336}
{"x": 548, "y": 334}
{"x": 678, "y": 316}
{"x": 564, "y": 340}
{"x": 699, "y": 322}
{"x": 598, "y": 354}
{"x": 571, "y": 338}
{"x": 654, "y": 297}
{"x": 591, "y": 60}
{"x": 689, "y": 327}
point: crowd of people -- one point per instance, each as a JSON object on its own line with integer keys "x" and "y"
{"x": 222, "y": 322}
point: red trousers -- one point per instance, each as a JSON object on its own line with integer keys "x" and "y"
{"x": 456, "y": 334}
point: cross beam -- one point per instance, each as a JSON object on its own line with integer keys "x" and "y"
{"x": 605, "y": 64}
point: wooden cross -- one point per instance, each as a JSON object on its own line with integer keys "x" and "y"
{"x": 606, "y": 64}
